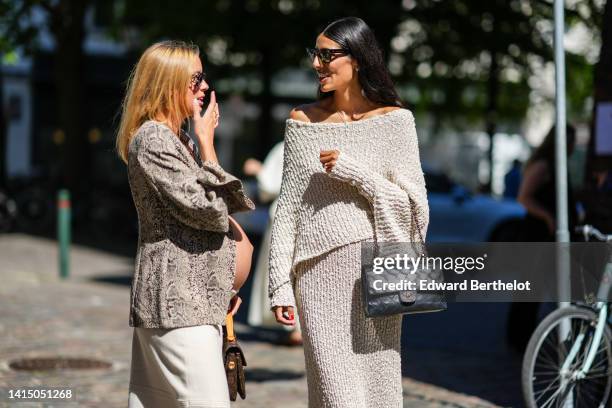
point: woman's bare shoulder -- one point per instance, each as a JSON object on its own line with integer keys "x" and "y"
{"x": 299, "y": 113}
{"x": 317, "y": 111}
{"x": 388, "y": 109}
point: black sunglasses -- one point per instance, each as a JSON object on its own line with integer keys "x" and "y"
{"x": 326, "y": 55}
{"x": 196, "y": 79}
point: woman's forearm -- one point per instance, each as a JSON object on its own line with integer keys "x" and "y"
{"x": 207, "y": 153}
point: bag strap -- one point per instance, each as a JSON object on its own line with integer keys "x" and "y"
{"x": 229, "y": 324}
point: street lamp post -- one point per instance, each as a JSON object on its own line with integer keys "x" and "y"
{"x": 562, "y": 232}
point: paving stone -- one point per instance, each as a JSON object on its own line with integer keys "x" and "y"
{"x": 85, "y": 316}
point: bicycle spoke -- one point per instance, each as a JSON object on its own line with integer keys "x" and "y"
{"x": 551, "y": 357}
{"x": 589, "y": 384}
{"x": 600, "y": 362}
{"x": 553, "y": 372}
{"x": 551, "y": 342}
{"x": 539, "y": 394}
{"x": 561, "y": 399}
{"x": 583, "y": 394}
{"x": 549, "y": 361}
{"x": 545, "y": 359}
{"x": 602, "y": 375}
{"x": 551, "y": 399}
{"x": 592, "y": 388}
{"x": 548, "y": 388}
{"x": 543, "y": 381}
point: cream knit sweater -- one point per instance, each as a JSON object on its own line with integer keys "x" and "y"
{"x": 369, "y": 194}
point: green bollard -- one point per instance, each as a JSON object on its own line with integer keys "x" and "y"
{"x": 63, "y": 232}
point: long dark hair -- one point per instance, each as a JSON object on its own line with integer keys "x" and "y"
{"x": 546, "y": 150}
{"x": 354, "y": 35}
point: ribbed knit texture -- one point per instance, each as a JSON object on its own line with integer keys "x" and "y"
{"x": 351, "y": 361}
{"x": 371, "y": 192}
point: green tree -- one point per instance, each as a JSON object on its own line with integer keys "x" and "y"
{"x": 2, "y": 129}
{"x": 65, "y": 21}
{"x": 474, "y": 59}
{"x": 256, "y": 37}
{"x": 11, "y": 35}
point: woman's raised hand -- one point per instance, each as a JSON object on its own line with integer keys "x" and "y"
{"x": 204, "y": 125}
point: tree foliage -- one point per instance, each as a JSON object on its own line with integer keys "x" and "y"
{"x": 459, "y": 47}
{"x": 64, "y": 19}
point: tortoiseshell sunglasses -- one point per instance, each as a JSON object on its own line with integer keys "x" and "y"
{"x": 196, "y": 79}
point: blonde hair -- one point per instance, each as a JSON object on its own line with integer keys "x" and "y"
{"x": 156, "y": 89}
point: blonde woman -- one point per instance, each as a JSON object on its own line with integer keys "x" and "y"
{"x": 191, "y": 254}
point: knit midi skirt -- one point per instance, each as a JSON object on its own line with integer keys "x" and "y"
{"x": 351, "y": 361}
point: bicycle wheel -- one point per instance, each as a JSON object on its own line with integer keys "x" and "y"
{"x": 543, "y": 383}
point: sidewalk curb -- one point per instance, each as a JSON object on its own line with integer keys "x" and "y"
{"x": 430, "y": 393}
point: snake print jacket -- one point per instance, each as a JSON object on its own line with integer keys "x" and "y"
{"x": 185, "y": 261}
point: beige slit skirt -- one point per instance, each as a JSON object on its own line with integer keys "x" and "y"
{"x": 178, "y": 368}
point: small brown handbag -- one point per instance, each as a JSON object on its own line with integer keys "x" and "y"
{"x": 234, "y": 360}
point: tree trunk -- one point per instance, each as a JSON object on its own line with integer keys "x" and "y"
{"x": 603, "y": 69}
{"x": 266, "y": 101}
{"x": 3, "y": 132}
{"x": 67, "y": 25}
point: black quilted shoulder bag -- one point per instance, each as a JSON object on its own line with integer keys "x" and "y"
{"x": 386, "y": 303}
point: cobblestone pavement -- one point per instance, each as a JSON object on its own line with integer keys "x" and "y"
{"x": 86, "y": 316}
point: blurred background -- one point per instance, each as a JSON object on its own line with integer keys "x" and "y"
{"x": 478, "y": 75}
